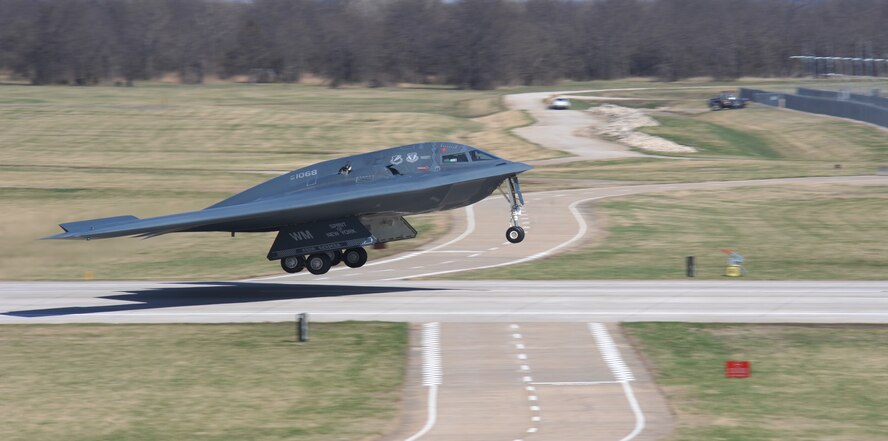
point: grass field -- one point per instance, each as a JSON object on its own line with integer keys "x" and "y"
{"x": 789, "y": 232}
{"x": 710, "y": 169}
{"x": 72, "y": 153}
{"x": 809, "y": 382}
{"x": 210, "y": 382}
{"x": 770, "y": 133}
{"x": 754, "y": 143}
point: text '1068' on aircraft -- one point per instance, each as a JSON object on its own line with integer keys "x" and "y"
{"x": 328, "y": 212}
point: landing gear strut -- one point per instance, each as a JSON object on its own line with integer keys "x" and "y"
{"x": 515, "y": 233}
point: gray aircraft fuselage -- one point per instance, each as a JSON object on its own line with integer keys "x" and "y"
{"x": 380, "y": 185}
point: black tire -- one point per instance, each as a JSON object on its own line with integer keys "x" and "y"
{"x": 715, "y": 106}
{"x": 336, "y": 259}
{"x": 355, "y": 257}
{"x": 318, "y": 264}
{"x": 293, "y": 264}
{"x": 515, "y": 234}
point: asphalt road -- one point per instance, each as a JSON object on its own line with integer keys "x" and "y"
{"x": 565, "y": 130}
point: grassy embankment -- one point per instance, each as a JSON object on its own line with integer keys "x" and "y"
{"x": 754, "y": 143}
{"x": 210, "y": 382}
{"x": 788, "y": 232}
{"x": 811, "y": 383}
{"x": 69, "y": 153}
{"x": 823, "y": 232}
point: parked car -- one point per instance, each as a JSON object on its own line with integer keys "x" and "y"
{"x": 560, "y": 104}
{"x": 727, "y": 100}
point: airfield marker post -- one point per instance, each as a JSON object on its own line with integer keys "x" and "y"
{"x": 691, "y": 264}
{"x": 302, "y": 327}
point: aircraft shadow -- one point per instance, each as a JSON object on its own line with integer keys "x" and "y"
{"x": 213, "y": 293}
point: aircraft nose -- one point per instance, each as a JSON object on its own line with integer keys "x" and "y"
{"x": 522, "y": 167}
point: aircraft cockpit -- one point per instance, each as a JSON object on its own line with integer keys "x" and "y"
{"x": 474, "y": 155}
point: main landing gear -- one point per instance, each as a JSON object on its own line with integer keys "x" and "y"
{"x": 515, "y": 233}
{"x": 320, "y": 263}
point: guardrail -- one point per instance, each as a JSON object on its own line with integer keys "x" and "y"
{"x": 861, "y": 107}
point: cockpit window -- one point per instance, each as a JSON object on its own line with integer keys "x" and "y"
{"x": 457, "y": 157}
{"x": 478, "y": 155}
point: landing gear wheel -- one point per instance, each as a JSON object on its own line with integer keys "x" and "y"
{"x": 293, "y": 264}
{"x": 336, "y": 258}
{"x": 318, "y": 264}
{"x": 355, "y": 257}
{"x": 515, "y": 234}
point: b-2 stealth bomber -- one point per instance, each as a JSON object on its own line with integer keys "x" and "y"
{"x": 328, "y": 212}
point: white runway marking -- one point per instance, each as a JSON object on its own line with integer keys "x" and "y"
{"x": 532, "y": 397}
{"x": 610, "y": 353}
{"x": 583, "y": 227}
{"x": 431, "y": 373}
{"x": 574, "y": 383}
{"x": 455, "y": 251}
{"x": 614, "y": 360}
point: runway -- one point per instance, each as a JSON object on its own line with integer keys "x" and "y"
{"x": 446, "y": 301}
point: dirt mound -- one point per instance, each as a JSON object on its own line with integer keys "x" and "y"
{"x": 621, "y": 123}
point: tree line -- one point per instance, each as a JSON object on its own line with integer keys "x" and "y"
{"x": 477, "y": 44}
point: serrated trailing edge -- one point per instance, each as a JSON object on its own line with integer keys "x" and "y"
{"x": 610, "y": 353}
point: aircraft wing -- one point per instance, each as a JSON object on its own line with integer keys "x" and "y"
{"x": 258, "y": 215}
{"x": 262, "y": 215}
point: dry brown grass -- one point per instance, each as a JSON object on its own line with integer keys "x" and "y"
{"x": 788, "y": 232}
{"x": 212, "y": 382}
{"x": 809, "y": 382}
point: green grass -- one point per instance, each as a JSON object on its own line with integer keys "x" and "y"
{"x": 789, "y": 232}
{"x": 211, "y": 382}
{"x": 710, "y": 169}
{"x": 711, "y": 138}
{"x": 755, "y": 132}
{"x": 809, "y": 382}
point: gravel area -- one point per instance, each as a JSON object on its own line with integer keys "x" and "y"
{"x": 621, "y": 123}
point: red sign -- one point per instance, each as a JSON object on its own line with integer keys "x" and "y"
{"x": 737, "y": 369}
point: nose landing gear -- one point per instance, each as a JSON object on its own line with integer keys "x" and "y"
{"x": 515, "y": 233}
